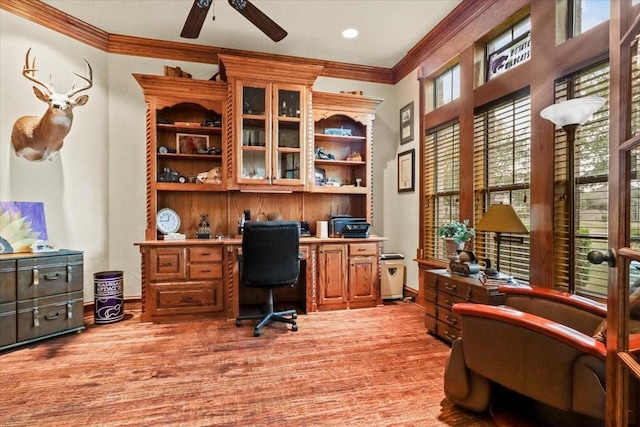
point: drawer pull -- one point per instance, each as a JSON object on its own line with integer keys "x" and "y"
{"x": 449, "y": 303}
{"x": 450, "y": 287}
{"x": 36, "y": 317}
{"x": 53, "y": 276}
{"x": 205, "y": 254}
{"x": 206, "y": 271}
{"x": 450, "y": 336}
{"x": 52, "y": 316}
{"x": 452, "y": 320}
{"x": 166, "y": 264}
{"x": 36, "y": 276}
{"x": 362, "y": 249}
{"x": 69, "y": 270}
{"x": 189, "y": 299}
{"x": 69, "y": 310}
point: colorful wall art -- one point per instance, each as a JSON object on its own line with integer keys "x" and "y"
{"x": 21, "y": 224}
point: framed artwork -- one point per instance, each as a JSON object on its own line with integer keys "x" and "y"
{"x": 320, "y": 176}
{"x": 406, "y": 173}
{"x": 188, "y": 143}
{"x": 406, "y": 123}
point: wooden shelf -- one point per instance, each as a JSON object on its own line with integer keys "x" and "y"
{"x": 340, "y": 138}
{"x": 187, "y": 186}
{"x": 338, "y": 162}
{"x": 190, "y": 156}
{"x": 338, "y": 190}
{"x": 195, "y": 129}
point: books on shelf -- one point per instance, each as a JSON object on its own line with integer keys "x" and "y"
{"x": 175, "y": 236}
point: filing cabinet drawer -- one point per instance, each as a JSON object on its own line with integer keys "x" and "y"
{"x": 363, "y": 249}
{"x": 7, "y": 281}
{"x": 205, "y": 254}
{"x": 205, "y": 271}
{"x": 40, "y": 277}
{"x": 8, "y": 326}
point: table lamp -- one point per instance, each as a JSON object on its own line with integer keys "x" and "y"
{"x": 569, "y": 115}
{"x": 500, "y": 219}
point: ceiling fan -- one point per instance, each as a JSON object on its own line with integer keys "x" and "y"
{"x": 198, "y": 13}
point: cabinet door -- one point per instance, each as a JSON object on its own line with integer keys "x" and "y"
{"x": 363, "y": 272}
{"x": 254, "y": 133}
{"x": 332, "y": 275}
{"x": 288, "y": 153}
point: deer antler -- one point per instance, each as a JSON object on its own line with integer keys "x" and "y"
{"x": 29, "y": 71}
{"x": 89, "y": 80}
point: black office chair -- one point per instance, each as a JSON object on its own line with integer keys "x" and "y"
{"x": 270, "y": 259}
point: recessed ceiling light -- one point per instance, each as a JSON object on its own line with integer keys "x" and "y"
{"x": 350, "y": 33}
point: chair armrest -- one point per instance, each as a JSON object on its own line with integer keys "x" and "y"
{"x": 562, "y": 333}
{"x": 576, "y": 301}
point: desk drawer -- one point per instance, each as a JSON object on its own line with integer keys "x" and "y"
{"x": 447, "y": 300}
{"x": 430, "y": 323}
{"x": 167, "y": 264}
{"x": 430, "y": 280}
{"x": 447, "y": 332}
{"x": 430, "y": 295}
{"x": 363, "y": 249}
{"x": 205, "y": 271}
{"x": 205, "y": 254}
{"x": 450, "y": 318}
{"x": 188, "y": 298}
{"x": 456, "y": 288}
{"x": 8, "y": 328}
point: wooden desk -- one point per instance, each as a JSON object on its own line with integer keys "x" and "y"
{"x": 198, "y": 278}
{"x": 441, "y": 290}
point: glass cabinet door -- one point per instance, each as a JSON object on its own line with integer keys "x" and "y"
{"x": 288, "y": 159}
{"x": 254, "y": 156}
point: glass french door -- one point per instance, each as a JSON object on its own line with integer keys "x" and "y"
{"x": 623, "y": 366}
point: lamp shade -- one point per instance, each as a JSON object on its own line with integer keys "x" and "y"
{"x": 501, "y": 219}
{"x": 574, "y": 111}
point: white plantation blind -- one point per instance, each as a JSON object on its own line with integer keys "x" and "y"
{"x": 442, "y": 185}
{"x": 573, "y": 272}
{"x": 502, "y": 168}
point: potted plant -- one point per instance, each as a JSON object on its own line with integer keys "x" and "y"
{"x": 455, "y": 234}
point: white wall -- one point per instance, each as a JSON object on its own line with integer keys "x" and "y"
{"x": 94, "y": 191}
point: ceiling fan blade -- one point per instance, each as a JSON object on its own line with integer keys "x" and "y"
{"x": 259, "y": 19}
{"x": 195, "y": 20}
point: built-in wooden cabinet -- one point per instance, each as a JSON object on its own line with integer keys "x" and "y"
{"x": 186, "y": 138}
{"x": 270, "y": 112}
{"x": 348, "y": 275}
{"x": 182, "y": 281}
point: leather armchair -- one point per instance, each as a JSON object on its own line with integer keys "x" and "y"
{"x": 539, "y": 344}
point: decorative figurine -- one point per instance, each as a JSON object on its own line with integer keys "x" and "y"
{"x": 204, "y": 231}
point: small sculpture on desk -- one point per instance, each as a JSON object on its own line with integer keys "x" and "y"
{"x": 465, "y": 263}
{"x": 204, "y": 231}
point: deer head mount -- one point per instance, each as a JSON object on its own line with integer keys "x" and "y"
{"x": 40, "y": 138}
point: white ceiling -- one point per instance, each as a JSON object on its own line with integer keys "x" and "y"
{"x": 388, "y": 28}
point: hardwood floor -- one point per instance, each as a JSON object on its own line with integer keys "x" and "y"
{"x": 365, "y": 367}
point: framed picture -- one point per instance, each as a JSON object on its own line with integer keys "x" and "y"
{"x": 189, "y": 143}
{"x": 320, "y": 176}
{"x": 406, "y": 175}
{"x": 406, "y": 123}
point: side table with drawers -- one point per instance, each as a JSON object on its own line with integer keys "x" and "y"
{"x": 442, "y": 289}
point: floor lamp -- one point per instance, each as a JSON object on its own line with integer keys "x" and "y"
{"x": 500, "y": 219}
{"x": 569, "y": 115}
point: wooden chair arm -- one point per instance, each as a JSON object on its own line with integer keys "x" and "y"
{"x": 562, "y": 333}
{"x": 577, "y": 301}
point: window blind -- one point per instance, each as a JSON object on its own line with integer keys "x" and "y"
{"x": 442, "y": 185}
{"x": 590, "y": 156}
{"x": 501, "y": 172}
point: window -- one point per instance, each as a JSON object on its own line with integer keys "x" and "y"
{"x": 509, "y": 49}
{"x": 447, "y": 86}
{"x": 442, "y": 185}
{"x": 586, "y": 14}
{"x": 590, "y": 159}
{"x": 502, "y": 168}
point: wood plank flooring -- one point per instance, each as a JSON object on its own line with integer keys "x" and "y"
{"x": 365, "y": 367}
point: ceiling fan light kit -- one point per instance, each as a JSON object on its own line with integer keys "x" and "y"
{"x": 200, "y": 8}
